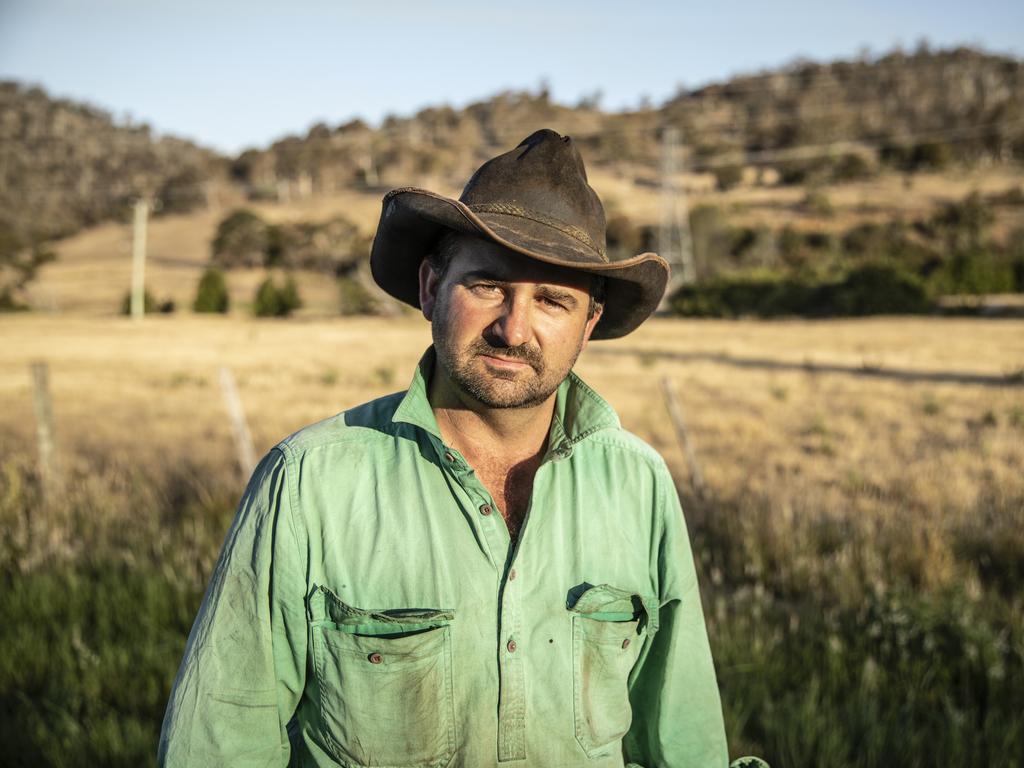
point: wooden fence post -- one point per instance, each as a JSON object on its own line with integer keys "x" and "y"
{"x": 682, "y": 435}
{"x": 48, "y": 470}
{"x": 243, "y": 439}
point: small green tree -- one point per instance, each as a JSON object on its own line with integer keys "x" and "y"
{"x": 273, "y": 300}
{"x": 212, "y": 293}
{"x": 241, "y": 240}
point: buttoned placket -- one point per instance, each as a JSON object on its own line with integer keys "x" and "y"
{"x": 493, "y": 531}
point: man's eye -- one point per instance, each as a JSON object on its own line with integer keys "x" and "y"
{"x": 552, "y": 303}
{"x": 485, "y": 289}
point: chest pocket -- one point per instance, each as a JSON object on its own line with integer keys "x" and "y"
{"x": 609, "y": 626}
{"x": 384, "y": 683}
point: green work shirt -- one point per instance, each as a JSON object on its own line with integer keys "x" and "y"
{"x": 369, "y": 609}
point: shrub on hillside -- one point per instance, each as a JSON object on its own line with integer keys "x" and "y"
{"x": 851, "y": 167}
{"x": 273, "y": 300}
{"x": 19, "y": 263}
{"x": 184, "y": 191}
{"x": 241, "y": 240}
{"x": 212, "y": 293}
{"x": 728, "y": 176}
{"x": 975, "y": 271}
{"x": 868, "y": 290}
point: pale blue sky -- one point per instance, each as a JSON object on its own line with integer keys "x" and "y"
{"x": 238, "y": 74}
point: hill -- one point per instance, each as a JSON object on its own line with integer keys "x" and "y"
{"x": 808, "y": 168}
{"x": 65, "y": 166}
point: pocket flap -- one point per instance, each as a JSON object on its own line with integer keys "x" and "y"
{"x": 607, "y": 603}
{"x": 327, "y": 608}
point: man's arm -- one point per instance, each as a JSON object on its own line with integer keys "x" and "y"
{"x": 677, "y": 712}
{"x": 244, "y": 665}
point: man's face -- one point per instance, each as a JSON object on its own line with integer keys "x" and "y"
{"x": 507, "y": 329}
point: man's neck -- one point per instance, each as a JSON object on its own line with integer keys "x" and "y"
{"x": 478, "y": 431}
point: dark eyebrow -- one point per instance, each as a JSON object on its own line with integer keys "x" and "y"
{"x": 554, "y": 294}
{"x": 481, "y": 274}
{"x": 547, "y": 291}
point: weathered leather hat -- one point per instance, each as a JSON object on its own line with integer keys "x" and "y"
{"x": 534, "y": 200}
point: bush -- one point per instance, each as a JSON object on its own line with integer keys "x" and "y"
{"x": 728, "y": 176}
{"x": 868, "y": 290}
{"x": 276, "y": 301}
{"x": 182, "y": 192}
{"x": 930, "y": 155}
{"x": 851, "y": 167}
{"x": 241, "y": 240}
{"x": 975, "y": 271}
{"x": 879, "y": 289}
{"x": 212, "y": 294}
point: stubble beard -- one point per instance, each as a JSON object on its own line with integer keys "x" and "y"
{"x": 493, "y": 387}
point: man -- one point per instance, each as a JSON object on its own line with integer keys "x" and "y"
{"x": 486, "y": 569}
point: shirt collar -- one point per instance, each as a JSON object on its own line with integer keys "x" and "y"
{"x": 579, "y": 410}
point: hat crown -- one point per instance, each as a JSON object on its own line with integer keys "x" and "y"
{"x": 544, "y": 177}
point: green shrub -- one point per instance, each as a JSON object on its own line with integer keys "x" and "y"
{"x": 241, "y": 240}
{"x": 976, "y": 271}
{"x": 851, "y": 167}
{"x": 868, "y": 290}
{"x": 212, "y": 293}
{"x": 273, "y": 300}
{"x": 728, "y": 177}
{"x": 877, "y": 289}
{"x": 930, "y": 155}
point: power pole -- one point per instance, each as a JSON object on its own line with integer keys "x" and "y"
{"x": 138, "y": 301}
{"x": 674, "y": 242}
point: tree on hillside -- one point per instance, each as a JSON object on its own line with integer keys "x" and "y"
{"x": 212, "y": 293}
{"x": 19, "y": 263}
{"x": 241, "y": 240}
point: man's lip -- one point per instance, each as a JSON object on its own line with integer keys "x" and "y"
{"x": 505, "y": 361}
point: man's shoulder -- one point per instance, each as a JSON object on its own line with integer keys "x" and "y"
{"x": 627, "y": 447}
{"x": 361, "y": 424}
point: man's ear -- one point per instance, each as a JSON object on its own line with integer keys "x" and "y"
{"x": 591, "y": 323}
{"x": 429, "y": 282}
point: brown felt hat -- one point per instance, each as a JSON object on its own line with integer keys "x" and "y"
{"x": 534, "y": 200}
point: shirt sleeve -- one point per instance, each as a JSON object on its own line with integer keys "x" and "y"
{"x": 244, "y": 665}
{"x": 677, "y": 711}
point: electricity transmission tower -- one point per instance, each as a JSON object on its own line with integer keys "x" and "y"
{"x": 674, "y": 242}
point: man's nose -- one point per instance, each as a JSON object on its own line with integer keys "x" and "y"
{"x": 513, "y": 327}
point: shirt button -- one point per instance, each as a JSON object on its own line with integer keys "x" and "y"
{"x": 375, "y": 658}
{"x": 625, "y": 643}
{"x": 485, "y": 509}
{"x": 512, "y": 575}
{"x": 511, "y": 646}
{"x": 449, "y": 456}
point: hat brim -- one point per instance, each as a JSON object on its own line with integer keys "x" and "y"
{"x": 413, "y": 220}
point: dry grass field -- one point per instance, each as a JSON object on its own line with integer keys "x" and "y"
{"x": 861, "y": 542}
{"x": 928, "y": 411}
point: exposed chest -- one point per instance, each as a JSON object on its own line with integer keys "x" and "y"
{"x": 511, "y": 487}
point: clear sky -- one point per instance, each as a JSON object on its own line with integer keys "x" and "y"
{"x": 234, "y": 74}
